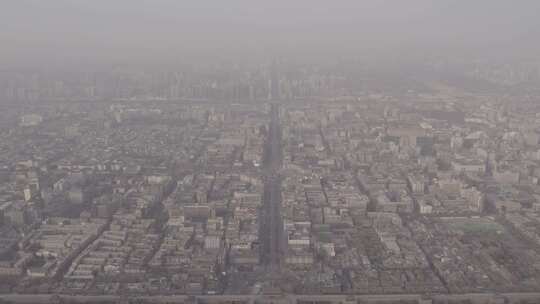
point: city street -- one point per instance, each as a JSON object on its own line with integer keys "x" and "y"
{"x": 271, "y": 234}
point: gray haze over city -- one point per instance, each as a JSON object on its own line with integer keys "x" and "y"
{"x": 77, "y": 31}
{"x": 292, "y": 152}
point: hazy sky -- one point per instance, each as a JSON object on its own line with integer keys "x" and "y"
{"x": 56, "y": 31}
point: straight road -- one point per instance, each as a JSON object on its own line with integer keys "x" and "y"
{"x": 272, "y": 231}
{"x": 291, "y": 299}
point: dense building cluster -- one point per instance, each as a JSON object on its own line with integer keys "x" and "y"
{"x": 131, "y": 198}
{"x": 214, "y": 82}
{"x": 393, "y": 197}
{"x": 414, "y": 193}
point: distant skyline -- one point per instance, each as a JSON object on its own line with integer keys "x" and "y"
{"x": 56, "y": 32}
